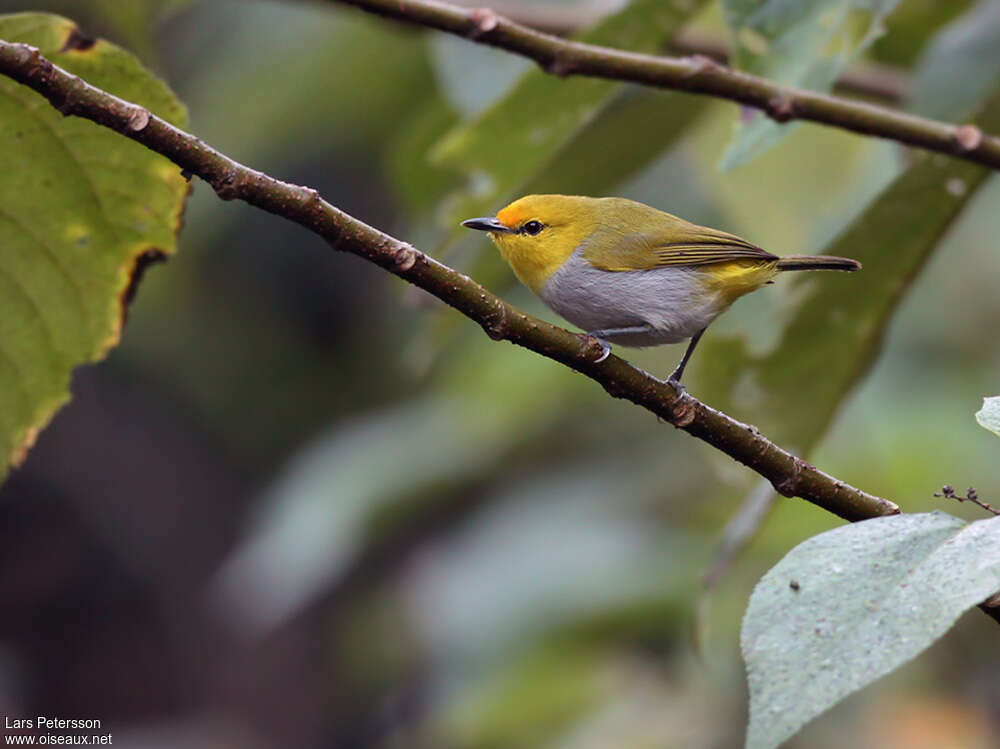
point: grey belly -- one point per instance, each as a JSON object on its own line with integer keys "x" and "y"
{"x": 670, "y": 303}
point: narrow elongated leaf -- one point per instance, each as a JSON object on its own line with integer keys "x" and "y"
{"x": 135, "y": 22}
{"x": 513, "y": 139}
{"x": 989, "y": 415}
{"x": 632, "y": 129}
{"x": 852, "y": 604}
{"x": 81, "y": 205}
{"x": 804, "y": 44}
{"x": 960, "y": 66}
{"x": 835, "y": 332}
{"x": 911, "y": 25}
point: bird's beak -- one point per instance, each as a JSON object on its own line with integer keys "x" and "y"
{"x": 486, "y": 224}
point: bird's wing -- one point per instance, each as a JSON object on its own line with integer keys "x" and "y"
{"x": 676, "y": 243}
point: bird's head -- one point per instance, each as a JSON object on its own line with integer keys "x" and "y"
{"x": 537, "y": 233}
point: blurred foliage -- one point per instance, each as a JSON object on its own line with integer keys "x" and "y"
{"x": 81, "y": 207}
{"x": 502, "y": 148}
{"x": 911, "y": 25}
{"x": 960, "y": 66}
{"x": 485, "y": 550}
{"x": 133, "y": 25}
{"x": 851, "y": 312}
{"x": 803, "y": 44}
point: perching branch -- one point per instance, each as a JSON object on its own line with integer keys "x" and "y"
{"x": 698, "y": 74}
{"x": 790, "y": 475}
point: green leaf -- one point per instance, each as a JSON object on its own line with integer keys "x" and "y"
{"x": 805, "y": 44}
{"x": 911, "y": 25}
{"x": 419, "y": 183}
{"x": 960, "y": 66}
{"x": 529, "y": 702}
{"x": 852, "y": 604}
{"x": 835, "y": 322}
{"x": 266, "y": 45}
{"x": 989, "y": 415}
{"x": 635, "y": 127}
{"x": 134, "y": 22}
{"x": 512, "y": 140}
{"x": 81, "y": 206}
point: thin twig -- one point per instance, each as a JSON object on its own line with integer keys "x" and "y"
{"x": 698, "y": 74}
{"x": 867, "y": 79}
{"x": 790, "y": 475}
{"x": 971, "y": 495}
{"x": 991, "y": 606}
{"x": 872, "y": 80}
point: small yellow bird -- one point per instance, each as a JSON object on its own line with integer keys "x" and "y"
{"x": 630, "y": 274}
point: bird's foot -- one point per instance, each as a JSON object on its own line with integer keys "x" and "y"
{"x": 674, "y": 380}
{"x": 604, "y": 346}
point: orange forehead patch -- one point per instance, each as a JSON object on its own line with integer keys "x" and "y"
{"x": 513, "y": 215}
{"x": 524, "y": 209}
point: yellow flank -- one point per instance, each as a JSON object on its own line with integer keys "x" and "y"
{"x": 738, "y": 277}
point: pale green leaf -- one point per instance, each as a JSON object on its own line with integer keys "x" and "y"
{"x": 852, "y": 604}
{"x": 989, "y": 415}
{"x": 81, "y": 205}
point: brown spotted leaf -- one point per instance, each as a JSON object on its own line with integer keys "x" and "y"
{"x": 82, "y": 211}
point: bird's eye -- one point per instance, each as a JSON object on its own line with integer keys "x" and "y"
{"x": 532, "y": 227}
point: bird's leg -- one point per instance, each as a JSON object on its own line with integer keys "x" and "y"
{"x": 675, "y": 376}
{"x": 602, "y": 335}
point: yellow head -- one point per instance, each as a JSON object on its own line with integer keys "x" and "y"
{"x": 538, "y": 233}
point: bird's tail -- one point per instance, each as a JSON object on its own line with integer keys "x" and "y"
{"x": 817, "y": 262}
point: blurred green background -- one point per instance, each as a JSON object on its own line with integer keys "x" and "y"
{"x": 303, "y": 505}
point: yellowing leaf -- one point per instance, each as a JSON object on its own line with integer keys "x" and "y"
{"x": 82, "y": 209}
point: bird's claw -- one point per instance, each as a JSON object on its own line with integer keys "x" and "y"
{"x": 605, "y": 347}
{"x": 677, "y": 385}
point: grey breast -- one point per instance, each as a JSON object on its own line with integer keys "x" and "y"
{"x": 669, "y": 301}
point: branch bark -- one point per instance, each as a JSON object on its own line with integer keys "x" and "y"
{"x": 698, "y": 74}
{"x": 790, "y": 475}
{"x": 867, "y": 79}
